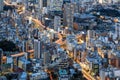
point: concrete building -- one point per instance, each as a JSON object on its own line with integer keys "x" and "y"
{"x": 63, "y": 75}
{"x": 68, "y": 15}
{"x": 56, "y": 5}
{"x": 57, "y": 23}
{"x": 117, "y": 30}
{"x": 38, "y": 49}
{"x": 1, "y": 5}
{"x": 1, "y": 55}
{"x": 39, "y": 76}
{"x": 25, "y": 46}
{"x": 24, "y": 64}
{"x": 90, "y": 34}
{"x": 47, "y": 57}
{"x": 42, "y": 3}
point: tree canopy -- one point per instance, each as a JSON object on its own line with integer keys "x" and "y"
{"x": 8, "y": 46}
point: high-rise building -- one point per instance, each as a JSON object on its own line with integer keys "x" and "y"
{"x": 57, "y": 23}
{"x": 47, "y": 57}
{"x": 68, "y": 15}
{"x": 45, "y": 3}
{"x": 42, "y": 3}
{"x": 117, "y": 30}
{"x": 1, "y": 5}
{"x": 1, "y": 55}
{"x": 25, "y": 46}
{"x": 38, "y": 49}
{"x": 90, "y": 34}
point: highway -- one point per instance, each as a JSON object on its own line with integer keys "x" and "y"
{"x": 85, "y": 73}
{"x": 18, "y": 54}
{"x": 59, "y": 41}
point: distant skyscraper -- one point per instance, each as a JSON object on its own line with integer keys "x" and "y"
{"x": 68, "y": 14}
{"x": 38, "y": 49}
{"x": 42, "y": 3}
{"x": 25, "y": 46}
{"x": 1, "y": 5}
{"x": 57, "y": 23}
{"x": 45, "y": 3}
{"x": 90, "y": 34}
{"x": 117, "y": 30}
{"x": 1, "y": 55}
{"x": 47, "y": 57}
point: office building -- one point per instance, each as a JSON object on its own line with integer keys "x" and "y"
{"x": 56, "y": 5}
{"x": 24, "y": 64}
{"x": 117, "y": 30}
{"x": 38, "y": 49}
{"x": 41, "y": 3}
{"x": 57, "y": 23}
{"x": 68, "y": 15}
{"x": 44, "y": 3}
{"x": 91, "y": 34}
{"x": 47, "y": 57}
{"x": 1, "y": 55}
{"x": 1, "y": 5}
{"x": 25, "y": 46}
{"x": 63, "y": 75}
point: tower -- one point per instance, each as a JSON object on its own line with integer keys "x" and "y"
{"x": 1, "y": 55}
{"x": 57, "y": 23}
{"x": 68, "y": 14}
{"x": 25, "y": 47}
{"x": 1, "y": 5}
{"x": 117, "y": 30}
{"x": 44, "y": 3}
{"x": 47, "y": 57}
{"x": 38, "y": 49}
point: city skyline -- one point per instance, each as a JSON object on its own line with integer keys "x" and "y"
{"x": 59, "y": 39}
